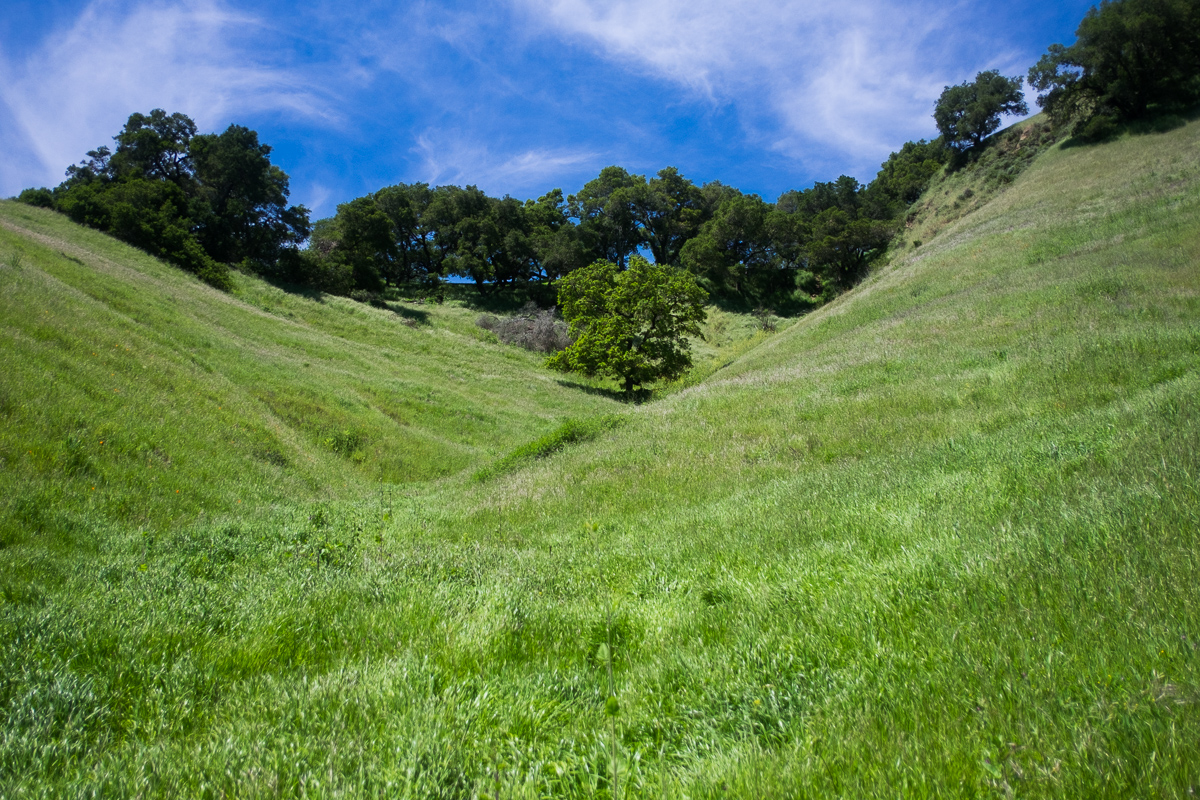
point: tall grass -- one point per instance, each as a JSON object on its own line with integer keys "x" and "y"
{"x": 937, "y": 538}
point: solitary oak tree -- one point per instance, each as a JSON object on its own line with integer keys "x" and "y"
{"x": 970, "y": 112}
{"x": 631, "y": 325}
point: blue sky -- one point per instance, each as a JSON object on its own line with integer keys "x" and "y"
{"x": 515, "y": 96}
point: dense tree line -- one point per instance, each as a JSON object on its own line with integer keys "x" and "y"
{"x": 743, "y": 249}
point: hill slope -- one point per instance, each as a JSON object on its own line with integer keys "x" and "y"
{"x": 937, "y": 538}
{"x": 125, "y": 377}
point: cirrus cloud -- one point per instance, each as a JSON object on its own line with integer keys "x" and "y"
{"x": 824, "y": 82}
{"x": 115, "y": 58}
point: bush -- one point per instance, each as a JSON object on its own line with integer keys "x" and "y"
{"x": 42, "y": 198}
{"x": 766, "y": 319}
{"x": 534, "y": 329}
{"x": 324, "y": 274}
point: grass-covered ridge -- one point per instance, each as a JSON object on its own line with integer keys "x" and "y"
{"x": 938, "y": 538}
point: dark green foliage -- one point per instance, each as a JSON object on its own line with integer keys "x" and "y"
{"x": 842, "y": 246}
{"x": 309, "y": 268}
{"x": 833, "y": 232}
{"x": 735, "y": 253}
{"x": 494, "y": 244}
{"x": 970, "y": 112}
{"x": 365, "y": 244}
{"x": 843, "y": 194}
{"x": 149, "y": 214}
{"x": 670, "y": 212}
{"x": 242, "y": 212}
{"x": 818, "y": 241}
{"x": 41, "y": 198}
{"x": 408, "y": 233}
{"x": 201, "y": 202}
{"x": 607, "y": 210}
{"x": 631, "y": 325}
{"x": 560, "y": 248}
{"x": 154, "y": 146}
{"x": 1130, "y": 58}
{"x": 619, "y": 212}
{"x": 746, "y": 252}
{"x": 904, "y": 176}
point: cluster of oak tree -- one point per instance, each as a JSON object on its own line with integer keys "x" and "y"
{"x": 205, "y": 202}
{"x": 740, "y": 247}
{"x": 1131, "y": 58}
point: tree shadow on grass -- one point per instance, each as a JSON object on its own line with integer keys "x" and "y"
{"x": 508, "y": 300}
{"x": 637, "y": 398}
{"x": 789, "y": 305}
{"x": 413, "y": 315}
{"x": 298, "y": 289}
{"x": 1161, "y": 122}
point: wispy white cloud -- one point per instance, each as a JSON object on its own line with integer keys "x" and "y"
{"x": 449, "y": 158}
{"x": 76, "y": 90}
{"x": 817, "y": 80}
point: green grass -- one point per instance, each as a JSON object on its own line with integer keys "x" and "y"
{"x": 573, "y": 431}
{"x": 168, "y": 398}
{"x": 937, "y": 538}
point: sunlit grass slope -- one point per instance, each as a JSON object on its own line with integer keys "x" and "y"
{"x": 131, "y": 390}
{"x": 936, "y": 539}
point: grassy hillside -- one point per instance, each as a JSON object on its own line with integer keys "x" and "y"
{"x": 935, "y": 539}
{"x": 126, "y": 378}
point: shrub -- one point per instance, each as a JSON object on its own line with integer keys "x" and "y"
{"x": 534, "y": 329}
{"x": 42, "y": 198}
{"x": 766, "y": 319}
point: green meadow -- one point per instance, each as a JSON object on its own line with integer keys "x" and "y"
{"x": 937, "y": 538}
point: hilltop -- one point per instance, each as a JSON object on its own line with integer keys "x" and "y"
{"x": 937, "y": 537}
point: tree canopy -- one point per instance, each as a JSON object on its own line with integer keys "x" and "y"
{"x": 970, "y": 112}
{"x": 631, "y": 324}
{"x": 210, "y": 201}
{"x": 203, "y": 202}
{"x": 1130, "y": 58}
